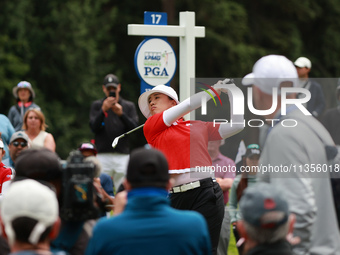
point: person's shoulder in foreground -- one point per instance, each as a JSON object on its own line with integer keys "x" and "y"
{"x": 148, "y": 225}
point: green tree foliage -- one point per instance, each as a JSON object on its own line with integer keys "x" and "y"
{"x": 65, "y": 48}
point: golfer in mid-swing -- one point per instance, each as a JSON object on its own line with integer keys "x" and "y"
{"x": 185, "y": 145}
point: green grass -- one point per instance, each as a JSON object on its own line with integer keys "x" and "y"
{"x": 232, "y": 249}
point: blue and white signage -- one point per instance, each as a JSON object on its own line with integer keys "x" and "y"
{"x": 155, "y": 61}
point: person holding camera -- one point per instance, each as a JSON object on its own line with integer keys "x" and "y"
{"x": 78, "y": 210}
{"x": 110, "y": 117}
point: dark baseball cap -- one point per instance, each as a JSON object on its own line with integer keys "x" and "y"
{"x": 111, "y": 80}
{"x": 264, "y": 206}
{"x": 39, "y": 164}
{"x": 147, "y": 168}
{"x": 253, "y": 149}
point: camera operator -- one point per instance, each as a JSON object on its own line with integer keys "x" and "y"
{"x": 43, "y": 165}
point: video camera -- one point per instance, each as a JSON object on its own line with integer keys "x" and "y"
{"x": 80, "y": 200}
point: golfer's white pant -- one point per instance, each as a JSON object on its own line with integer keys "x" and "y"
{"x": 115, "y": 165}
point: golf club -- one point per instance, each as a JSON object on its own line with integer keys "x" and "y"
{"x": 115, "y": 141}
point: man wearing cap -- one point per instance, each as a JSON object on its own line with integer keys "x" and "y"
{"x": 6, "y": 173}
{"x": 266, "y": 221}
{"x": 110, "y": 117}
{"x": 299, "y": 146}
{"x": 316, "y": 104}
{"x": 19, "y": 142}
{"x": 24, "y": 94}
{"x": 29, "y": 217}
{"x": 149, "y": 225}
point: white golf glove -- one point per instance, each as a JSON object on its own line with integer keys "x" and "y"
{"x": 222, "y": 85}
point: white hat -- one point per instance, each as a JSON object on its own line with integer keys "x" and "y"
{"x": 23, "y": 85}
{"x": 1, "y": 144}
{"x": 29, "y": 198}
{"x": 303, "y": 62}
{"x": 143, "y": 99}
{"x": 269, "y": 72}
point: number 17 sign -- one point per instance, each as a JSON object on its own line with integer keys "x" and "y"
{"x": 155, "y": 18}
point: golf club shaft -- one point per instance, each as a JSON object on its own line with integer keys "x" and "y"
{"x": 133, "y": 130}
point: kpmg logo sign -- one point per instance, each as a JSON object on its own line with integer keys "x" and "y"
{"x": 237, "y": 102}
{"x": 155, "y": 61}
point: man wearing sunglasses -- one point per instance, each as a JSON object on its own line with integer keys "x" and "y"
{"x": 19, "y": 142}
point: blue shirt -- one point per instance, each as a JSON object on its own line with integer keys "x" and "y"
{"x": 7, "y": 131}
{"x": 149, "y": 225}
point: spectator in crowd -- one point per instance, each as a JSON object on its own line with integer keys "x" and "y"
{"x": 247, "y": 178}
{"x": 225, "y": 172}
{"x": 29, "y": 217}
{"x": 185, "y": 144}
{"x": 19, "y": 142}
{"x": 35, "y": 126}
{"x": 266, "y": 221}
{"x": 44, "y": 165}
{"x": 6, "y": 131}
{"x": 331, "y": 118}
{"x": 110, "y": 117}
{"x": 308, "y": 193}
{"x": 24, "y": 94}
{"x": 148, "y": 225}
{"x": 316, "y": 104}
{"x": 223, "y": 166}
{"x": 6, "y": 173}
{"x": 331, "y": 121}
{"x": 90, "y": 150}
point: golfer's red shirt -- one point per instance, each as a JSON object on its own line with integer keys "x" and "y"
{"x": 184, "y": 143}
{"x": 6, "y": 174}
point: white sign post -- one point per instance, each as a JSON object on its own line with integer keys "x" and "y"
{"x": 187, "y": 32}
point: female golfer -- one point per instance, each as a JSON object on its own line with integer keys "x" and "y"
{"x": 185, "y": 144}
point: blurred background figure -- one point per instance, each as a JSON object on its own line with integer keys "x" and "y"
{"x": 331, "y": 121}
{"x": 35, "y": 126}
{"x": 19, "y": 142}
{"x": 308, "y": 192}
{"x": 24, "y": 95}
{"x": 30, "y": 217}
{"x": 90, "y": 150}
{"x": 247, "y": 178}
{"x": 225, "y": 172}
{"x": 6, "y": 131}
{"x": 316, "y": 104}
{"x": 266, "y": 221}
{"x": 331, "y": 118}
